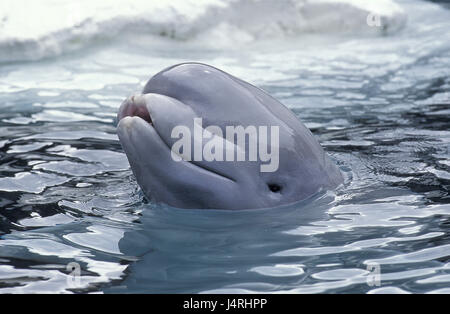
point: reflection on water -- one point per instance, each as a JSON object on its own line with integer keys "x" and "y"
{"x": 378, "y": 105}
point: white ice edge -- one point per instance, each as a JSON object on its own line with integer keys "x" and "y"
{"x": 32, "y": 30}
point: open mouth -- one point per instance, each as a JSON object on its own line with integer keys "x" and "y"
{"x": 134, "y": 106}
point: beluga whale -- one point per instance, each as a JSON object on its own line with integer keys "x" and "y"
{"x": 198, "y": 137}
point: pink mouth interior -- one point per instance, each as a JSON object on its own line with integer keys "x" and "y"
{"x": 132, "y": 109}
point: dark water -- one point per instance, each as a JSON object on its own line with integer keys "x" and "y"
{"x": 380, "y": 106}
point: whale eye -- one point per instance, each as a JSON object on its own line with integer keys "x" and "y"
{"x": 275, "y": 188}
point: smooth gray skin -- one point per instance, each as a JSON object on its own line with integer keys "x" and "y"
{"x": 178, "y": 94}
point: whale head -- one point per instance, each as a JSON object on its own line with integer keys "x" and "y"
{"x": 198, "y": 137}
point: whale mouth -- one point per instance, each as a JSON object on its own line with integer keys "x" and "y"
{"x": 135, "y": 106}
{"x": 138, "y": 106}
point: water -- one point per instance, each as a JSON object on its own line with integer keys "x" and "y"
{"x": 378, "y": 104}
